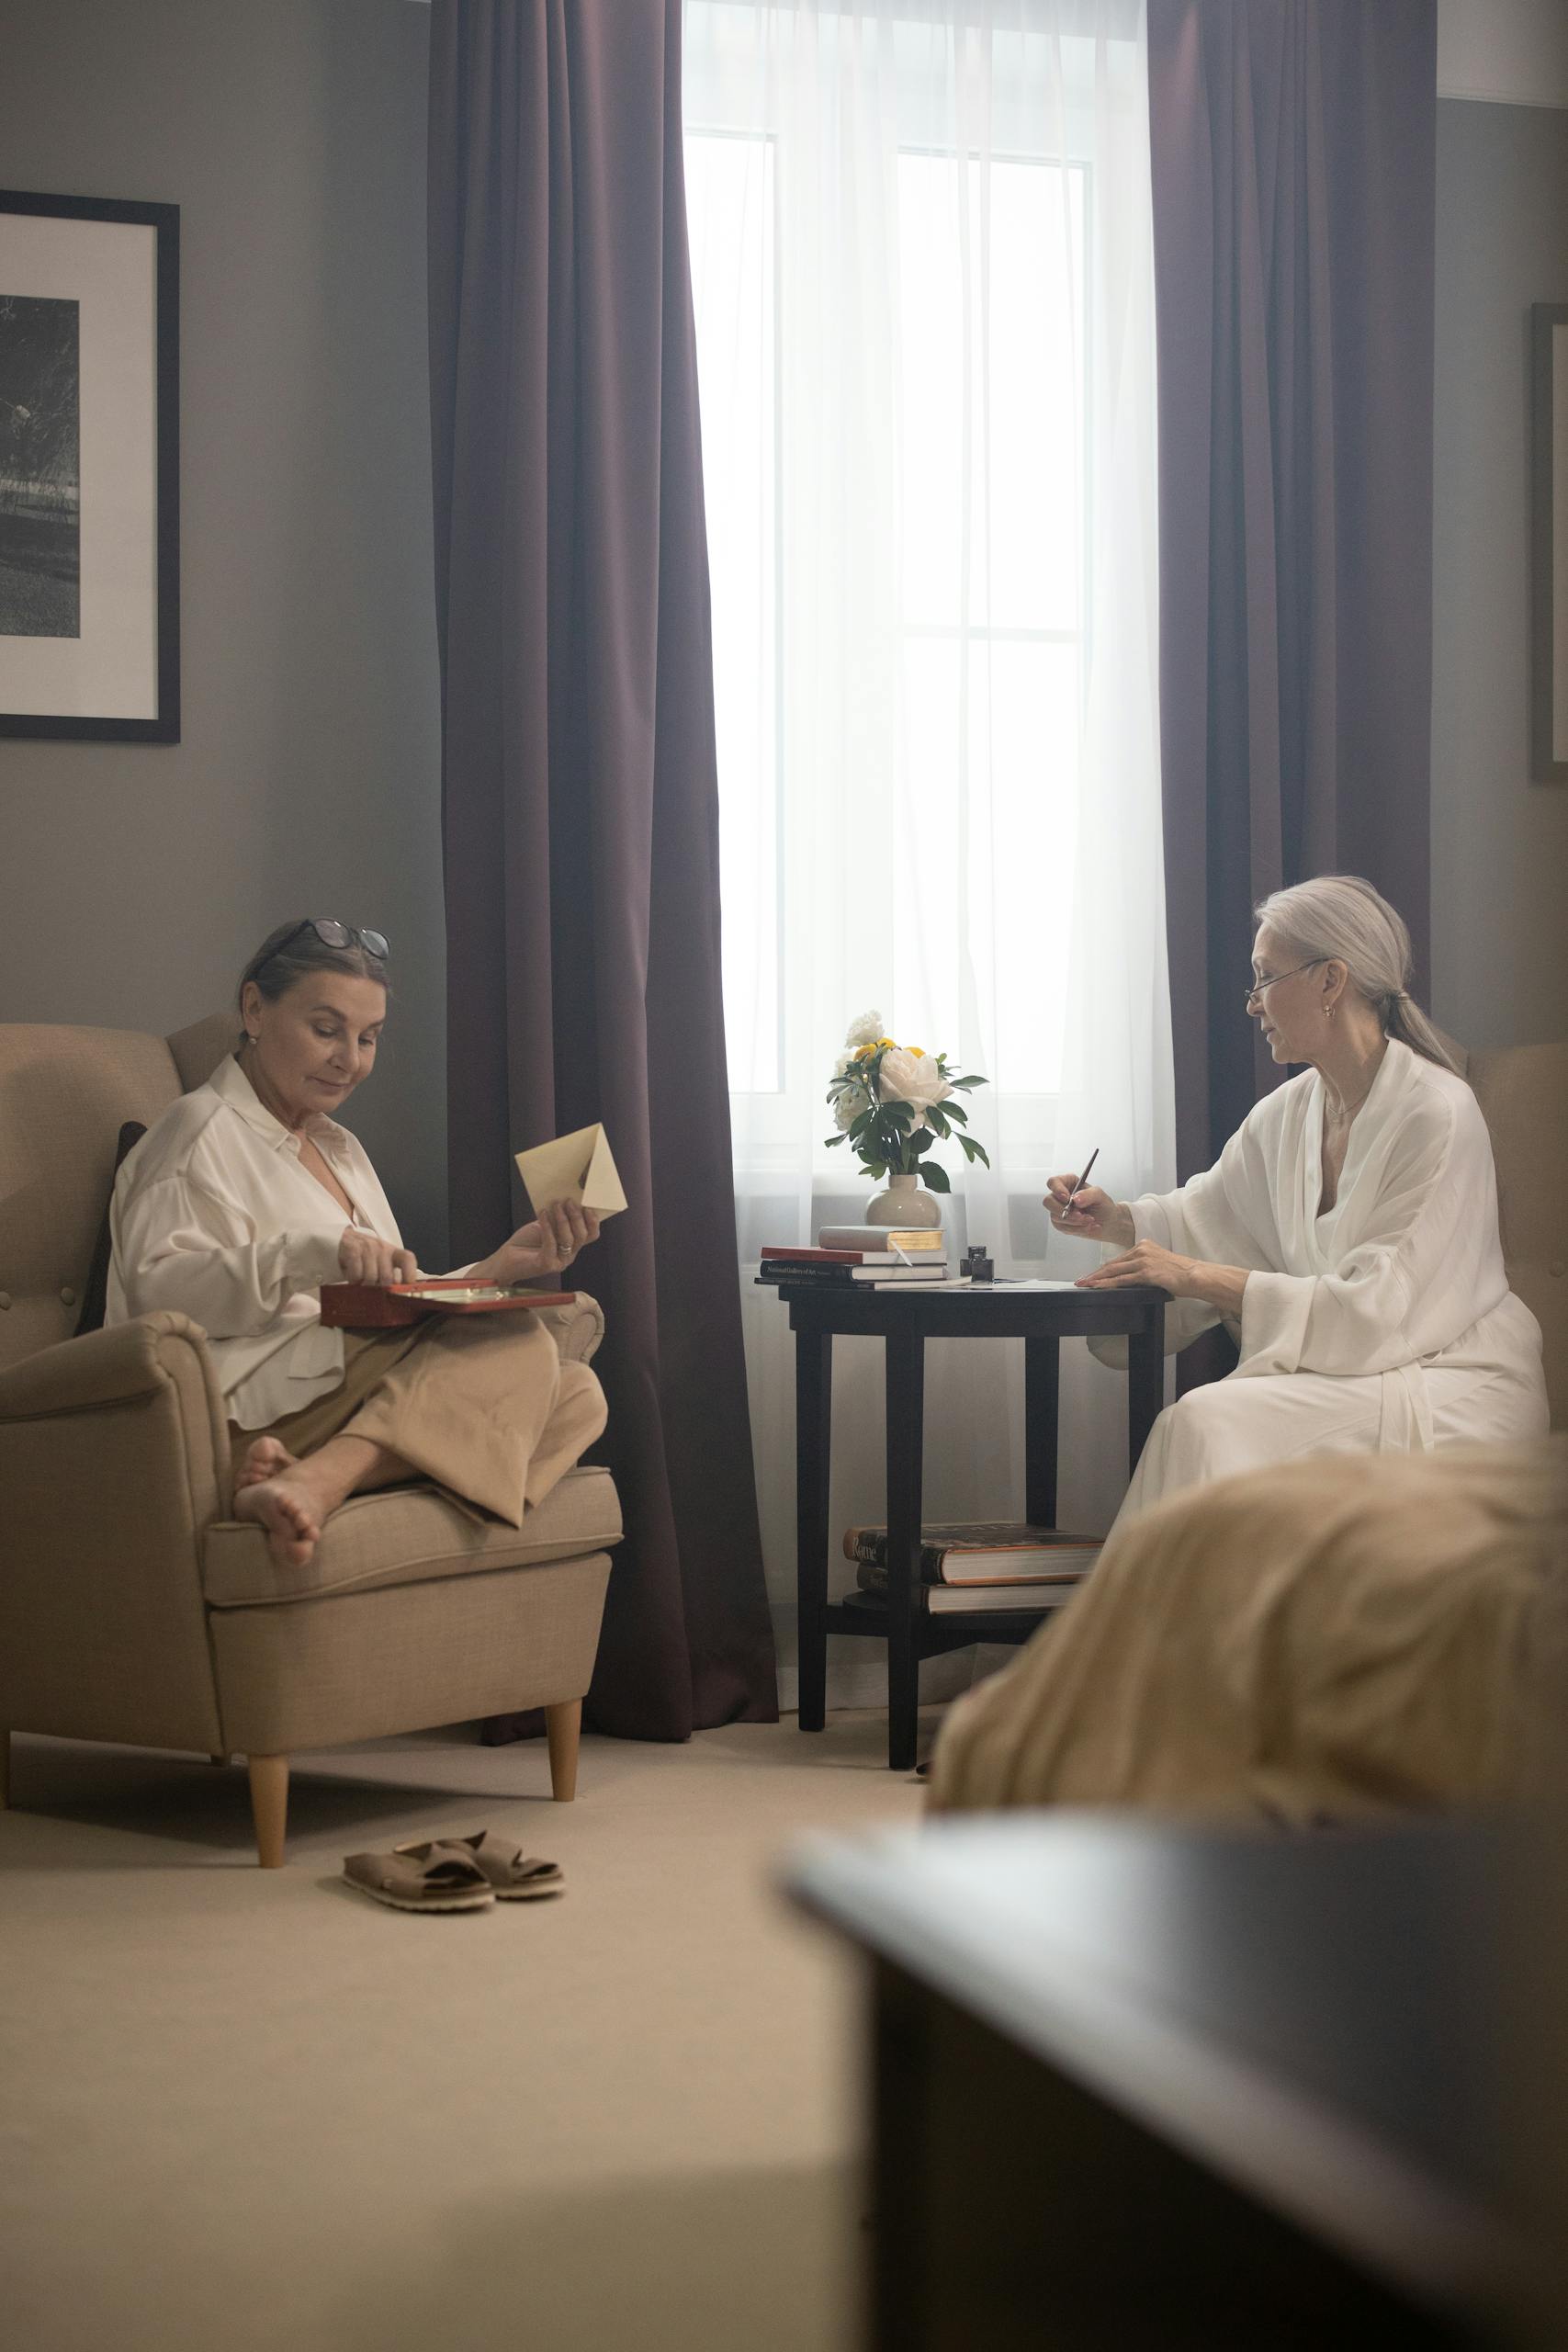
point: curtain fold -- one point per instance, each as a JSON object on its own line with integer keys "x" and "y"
{"x": 579, "y": 804}
{"x": 1292, "y": 147}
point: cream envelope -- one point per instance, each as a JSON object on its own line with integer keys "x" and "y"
{"x": 574, "y": 1168}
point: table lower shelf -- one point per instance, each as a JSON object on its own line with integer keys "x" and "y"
{"x": 955, "y": 1630}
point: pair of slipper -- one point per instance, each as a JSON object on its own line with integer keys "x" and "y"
{"x": 453, "y": 1874}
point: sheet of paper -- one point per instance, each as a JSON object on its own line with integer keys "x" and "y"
{"x": 578, "y": 1167}
{"x": 962, "y": 1282}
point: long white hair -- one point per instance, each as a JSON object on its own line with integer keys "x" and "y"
{"x": 1340, "y": 915}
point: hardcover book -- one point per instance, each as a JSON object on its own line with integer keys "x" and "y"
{"x": 836, "y": 1277}
{"x": 985, "y": 1551}
{"x": 956, "y": 1600}
{"x": 912, "y": 1240}
{"x": 823, "y": 1256}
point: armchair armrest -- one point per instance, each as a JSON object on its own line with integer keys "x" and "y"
{"x": 114, "y": 1455}
{"x": 107, "y": 1367}
{"x": 578, "y": 1329}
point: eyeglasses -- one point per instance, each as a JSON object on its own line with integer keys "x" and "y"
{"x": 339, "y": 935}
{"x": 1261, "y": 988}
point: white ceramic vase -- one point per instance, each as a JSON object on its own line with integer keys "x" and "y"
{"x": 906, "y": 1202}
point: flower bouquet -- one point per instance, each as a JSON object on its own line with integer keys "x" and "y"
{"x": 892, "y": 1102}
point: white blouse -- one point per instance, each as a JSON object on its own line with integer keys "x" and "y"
{"x": 214, "y": 1215}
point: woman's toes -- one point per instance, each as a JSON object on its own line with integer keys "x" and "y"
{"x": 298, "y": 1512}
{"x": 266, "y": 1458}
{"x": 291, "y": 1527}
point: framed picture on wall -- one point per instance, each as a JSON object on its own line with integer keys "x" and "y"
{"x": 1549, "y": 543}
{"x": 89, "y": 469}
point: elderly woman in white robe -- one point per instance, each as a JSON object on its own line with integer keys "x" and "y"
{"x": 1347, "y": 1235}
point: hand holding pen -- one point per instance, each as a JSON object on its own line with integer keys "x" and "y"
{"x": 1081, "y": 1209}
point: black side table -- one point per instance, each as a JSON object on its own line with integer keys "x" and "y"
{"x": 904, "y": 1319}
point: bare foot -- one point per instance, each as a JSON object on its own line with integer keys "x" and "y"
{"x": 267, "y": 1457}
{"x": 287, "y": 1514}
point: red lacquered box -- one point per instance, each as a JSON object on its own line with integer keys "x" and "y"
{"x": 380, "y": 1306}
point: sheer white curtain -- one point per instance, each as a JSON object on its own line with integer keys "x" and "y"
{"x": 922, "y": 257}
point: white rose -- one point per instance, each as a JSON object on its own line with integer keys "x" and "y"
{"x": 908, "y": 1077}
{"x": 865, "y": 1031}
{"x": 846, "y": 1110}
{"x": 842, "y": 1065}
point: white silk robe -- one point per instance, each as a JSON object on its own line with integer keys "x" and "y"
{"x": 1385, "y": 1324}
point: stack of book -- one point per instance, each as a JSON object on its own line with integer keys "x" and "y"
{"x": 979, "y": 1564}
{"x": 861, "y": 1253}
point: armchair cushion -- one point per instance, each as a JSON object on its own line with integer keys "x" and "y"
{"x": 409, "y": 1535}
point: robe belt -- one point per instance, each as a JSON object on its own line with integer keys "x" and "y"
{"x": 1405, "y": 1414}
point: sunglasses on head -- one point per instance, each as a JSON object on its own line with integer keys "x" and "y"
{"x": 340, "y": 935}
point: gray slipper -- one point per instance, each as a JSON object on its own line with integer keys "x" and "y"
{"x": 436, "y": 1876}
{"x": 511, "y": 1875}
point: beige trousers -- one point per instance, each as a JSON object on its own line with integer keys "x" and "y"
{"x": 482, "y": 1406}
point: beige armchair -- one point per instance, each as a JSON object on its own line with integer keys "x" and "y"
{"x": 1523, "y": 1093}
{"x": 132, "y": 1607}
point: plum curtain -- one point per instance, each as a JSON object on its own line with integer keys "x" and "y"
{"x": 580, "y": 802}
{"x": 1293, "y": 146}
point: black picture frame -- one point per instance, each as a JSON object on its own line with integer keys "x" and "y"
{"x": 1549, "y": 542}
{"x": 155, "y": 533}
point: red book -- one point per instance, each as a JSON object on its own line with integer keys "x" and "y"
{"x": 383, "y": 1306}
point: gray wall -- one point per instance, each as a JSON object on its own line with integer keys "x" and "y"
{"x": 138, "y": 877}
{"x": 1499, "y": 843}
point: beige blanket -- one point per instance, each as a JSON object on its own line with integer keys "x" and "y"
{"x": 1333, "y": 1638}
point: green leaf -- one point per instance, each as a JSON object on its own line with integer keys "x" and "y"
{"x": 921, "y": 1142}
{"x": 832, "y": 1141}
{"x": 954, "y": 1111}
{"x": 934, "y": 1175}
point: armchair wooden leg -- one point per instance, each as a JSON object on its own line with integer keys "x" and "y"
{"x": 563, "y": 1728}
{"x": 269, "y": 1804}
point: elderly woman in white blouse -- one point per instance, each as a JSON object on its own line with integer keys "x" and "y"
{"x": 1347, "y": 1236}
{"x": 246, "y": 1195}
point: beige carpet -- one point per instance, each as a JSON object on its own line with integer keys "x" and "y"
{"x": 243, "y": 2108}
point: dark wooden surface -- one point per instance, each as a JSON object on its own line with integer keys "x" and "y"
{"x": 1139, "y": 2086}
{"x": 905, "y": 1320}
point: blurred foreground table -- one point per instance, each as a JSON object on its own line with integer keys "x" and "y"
{"x": 1138, "y": 2086}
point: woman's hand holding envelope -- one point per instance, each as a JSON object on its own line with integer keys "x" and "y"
{"x": 546, "y": 1246}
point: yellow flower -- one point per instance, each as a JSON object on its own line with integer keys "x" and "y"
{"x": 917, "y": 1049}
{"x": 883, "y": 1041}
{"x": 865, "y": 1052}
